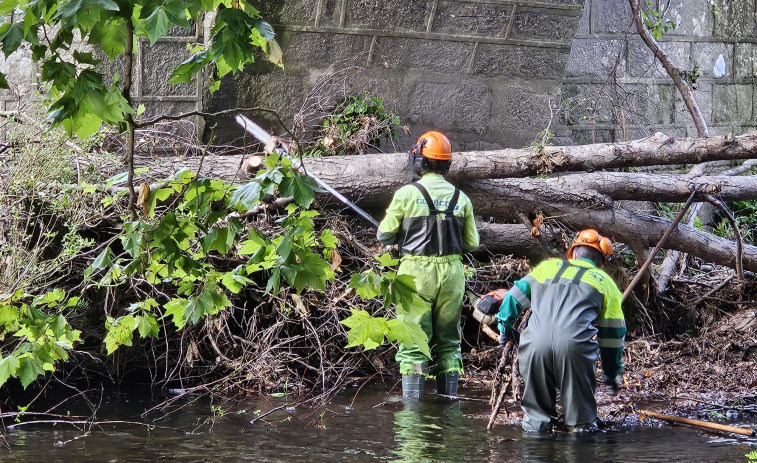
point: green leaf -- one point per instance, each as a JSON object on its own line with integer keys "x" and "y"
{"x": 247, "y": 195}
{"x": 235, "y": 282}
{"x": 176, "y": 308}
{"x": 8, "y": 368}
{"x": 198, "y": 307}
{"x": 271, "y": 160}
{"x": 110, "y": 36}
{"x": 11, "y": 37}
{"x": 188, "y": 68}
{"x": 312, "y": 271}
{"x": 147, "y": 325}
{"x": 119, "y": 332}
{"x": 104, "y": 260}
{"x": 156, "y": 25}
{"x": 365, "y": 330}
{"x": 50, "y": 298}
{"x": 86, "y": 58}
{"x": 387, "y": 260}
{"x": 272, "y": 287}
{"x": 253, "y": 245}
{"x": 366, "y": 284}
{"x": 29, "y": 370}
{"x": 68, "y": 11}
{"x": 328, "y": 239}
{"x": 300, "y": 187}
{"x": 8, "y": 314}
{"x": 177, "y": 13}
{"x": 58, "y": 326}
{"x": 408, "y": 333}
{"x": 4, "y": 82}
{"x": 6, "y": 6}
{"x": 265, "y": 29}
{"x": 403, "y": 294}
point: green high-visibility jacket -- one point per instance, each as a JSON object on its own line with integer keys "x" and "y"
{"x": 409, "y": 225}
{"x": 564, "y": 315}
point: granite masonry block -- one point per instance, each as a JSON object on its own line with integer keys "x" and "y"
{"x": 158, "y": 61}
{"x": 732, "y": 102}
{"x": 521, "y": 109}
{"x": 316, "y": 50}
{"x": 330, "y": 13}
{"x": 277, "y": 90}
{"x": 594, "y": 57}
{"x": 745, "y": 61}
{"x": 648, "y": 104}
{"x": 521, "y": 62}
{"x": 734, "y": 19}
{"x": 555, "y": 26}
{"x": 291, "y": 12}
{"x": 642, "y": 62}
{"x": 451, "y": 105}
{"x": 584, "y": 24}
{"x": 610, "y": 16}
{"x": 433, "y": 55}
{"x": 693, "y": 18}
{"x": 475, "y": 19}
{"x": 587, "y": 103}
{"x": 385, "y": 15}
{"x": 707, "y": 56}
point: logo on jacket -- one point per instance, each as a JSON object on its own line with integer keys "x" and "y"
{"x": 438, "y": 203}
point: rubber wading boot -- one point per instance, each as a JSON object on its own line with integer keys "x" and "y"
{"x": 412, "y": 386}
{"x": 446, "y": 383}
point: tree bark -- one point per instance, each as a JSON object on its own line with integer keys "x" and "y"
{"x": 674, "y": 73}
{"x": 625, "y": 226}
{"x": 389, "y": 171}
{"x": 644, "y": 187}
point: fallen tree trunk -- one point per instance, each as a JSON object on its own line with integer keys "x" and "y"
{"x": 652, "y": 187}
{"x": 389, "y": 171}
{"x": 625, "y": 226}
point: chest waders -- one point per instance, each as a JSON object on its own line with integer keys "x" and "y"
{"x": 557, "y": 352}
{"x": 437, "y": 276}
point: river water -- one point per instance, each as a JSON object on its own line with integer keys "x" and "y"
{"x": 357, "y": 426}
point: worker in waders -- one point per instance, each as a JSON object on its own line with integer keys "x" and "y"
{"x": 432, "y": 223}
{"x": 558, "y": 349}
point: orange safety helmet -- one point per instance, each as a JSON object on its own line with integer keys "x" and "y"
{"x": 433, "y": 145}
{"x": 593, "y": 239}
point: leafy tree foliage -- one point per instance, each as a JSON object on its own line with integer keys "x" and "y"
{"x": 63, "y": 34}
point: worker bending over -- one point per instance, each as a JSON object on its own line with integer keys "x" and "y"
{"x": 557, "y": 348}
{"x": 432, "y": 223}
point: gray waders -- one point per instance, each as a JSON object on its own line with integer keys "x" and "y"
{"x": 557, "y": 352}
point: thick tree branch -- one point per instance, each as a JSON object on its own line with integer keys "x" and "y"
{"x": 673, "y": 72}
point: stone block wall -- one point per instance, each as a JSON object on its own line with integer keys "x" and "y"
{"x": 483, "y": 71}
{"x": 614, "y": 89}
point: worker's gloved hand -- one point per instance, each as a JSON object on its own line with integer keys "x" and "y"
{"x": 486, "y": 309}
{"x": 508, "y": 335}
{"x": 614, "y": 384}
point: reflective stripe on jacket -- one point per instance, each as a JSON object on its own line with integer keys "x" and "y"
{"x": 559, "y": 315}
{"x": 409, "y": 224}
